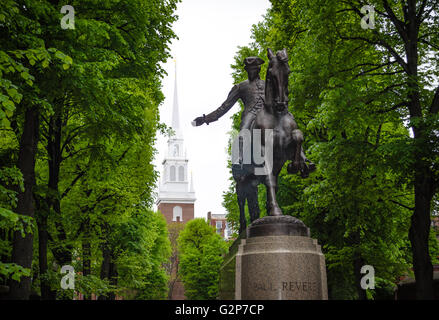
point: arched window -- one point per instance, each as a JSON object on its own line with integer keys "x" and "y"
{"x": 177, "y": 213}
{"x": 181, "y": 173}
{"x": 176, "y": 151}
{"x": 173, "y": 174}
{"x": 165, "y": 174}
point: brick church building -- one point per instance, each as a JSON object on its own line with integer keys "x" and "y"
{"x": 176, "y": 196}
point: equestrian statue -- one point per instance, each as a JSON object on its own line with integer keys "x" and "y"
{"x": 278, "y": 140}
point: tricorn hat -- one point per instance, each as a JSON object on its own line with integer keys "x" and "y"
{"x": 250, "y": 62}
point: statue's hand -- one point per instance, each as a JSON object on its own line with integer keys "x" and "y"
{"x": 198, "y": 121}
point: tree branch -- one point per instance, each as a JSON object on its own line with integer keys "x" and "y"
{"x": 378, "y": 136}
{"x": 67, "y": 190}
{"x": 402, "y": 205}
{"x": 399, "y": 25}
{"x": 396, "y": 106}
{"x": 421, "y": 18}
{"x": 74, "y": 153}
{"x": 386, "y": 89}
{"x": 71, "y": 136}
{"x": 430, "y": 44}
{"x": 421, "y": 11}
{"x": 380, "y": 42}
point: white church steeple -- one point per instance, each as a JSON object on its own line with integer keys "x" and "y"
{"x": 175, "y": 111}
{"x": 174, "y": 187}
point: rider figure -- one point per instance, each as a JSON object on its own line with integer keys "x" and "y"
{"x": 251, "y": 92}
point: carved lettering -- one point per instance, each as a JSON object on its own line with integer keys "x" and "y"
{"x": 293, "y": 286}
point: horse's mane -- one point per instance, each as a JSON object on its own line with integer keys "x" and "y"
{"x": 268, "y": 92}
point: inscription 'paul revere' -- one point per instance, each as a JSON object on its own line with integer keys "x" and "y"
{"x": 302, "y": 286}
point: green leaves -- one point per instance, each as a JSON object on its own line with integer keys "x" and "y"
{"x": 201, "y": 256}
{"x": 16, "y": 222}
{"x": 90, "y": 284}
{"x": 97, "y": 91}
{"x": 349, "y": 97}
{"x": 10, "y": 220}
{"x": 13, "y": 271}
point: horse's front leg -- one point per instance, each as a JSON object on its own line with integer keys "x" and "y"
{"x": 295, "y": 152}
{"x": 273, "y": 208}
{"x": 308, "y": 163}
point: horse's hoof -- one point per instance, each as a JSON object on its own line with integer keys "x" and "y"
{"x": 304, "y": 174}
{"x": 276, "y": 211}
{"x": 292, "y": 169}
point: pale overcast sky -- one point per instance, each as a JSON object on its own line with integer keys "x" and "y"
{"x": 209, "y": 32}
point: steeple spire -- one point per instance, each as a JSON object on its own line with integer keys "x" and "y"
{"x": 175, "y": 111}
{"x": 176, "y": 197}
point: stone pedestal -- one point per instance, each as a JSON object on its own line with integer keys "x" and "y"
{"x": 277, "y": 261}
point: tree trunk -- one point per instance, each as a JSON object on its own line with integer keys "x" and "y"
{"x": 105, "y": 267}
{"x": 54, "y": 162}
{"x": 113, "y": 277}
{"x": 22, "y": 249}
{"x": 419, "y": 234}
{"x": 62, "y": 251}
{"x": 46, "y": 293}
{"x": 86, "y": 263}
{"x": 423, "y": 183}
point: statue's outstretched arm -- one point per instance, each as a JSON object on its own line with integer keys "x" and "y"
{"x": 233, "y": 96}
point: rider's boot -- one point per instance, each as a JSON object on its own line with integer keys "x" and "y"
{"x": 242, "y": 226}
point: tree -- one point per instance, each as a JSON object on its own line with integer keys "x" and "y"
{"x": 201, "y": 255}
{"x": 141, "y": 248}
{"x": 359, "y": 95}
{"x": 23, "y": 58}
{"x": 172, "y": 266}
{"x": 74, "y": 112}
{"x": 394, "y": 61}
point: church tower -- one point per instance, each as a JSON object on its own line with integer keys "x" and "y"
{"x": 176, "y": 196}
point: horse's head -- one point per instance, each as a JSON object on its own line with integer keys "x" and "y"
{"x": 276, "y": 87}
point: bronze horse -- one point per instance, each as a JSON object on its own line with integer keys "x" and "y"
{"x": 285, "y": 143}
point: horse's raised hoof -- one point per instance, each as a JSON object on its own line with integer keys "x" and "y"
{"x": 307, "y": 168}
{"x": 311, "y": 167}
{"x": 292, "y": 169}
{"x": 304, "y": 173}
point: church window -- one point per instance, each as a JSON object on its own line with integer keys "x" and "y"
{"x": 177, "y": 213}
{"x": 173, "y": 174}
{"x": 181, "y": 173}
